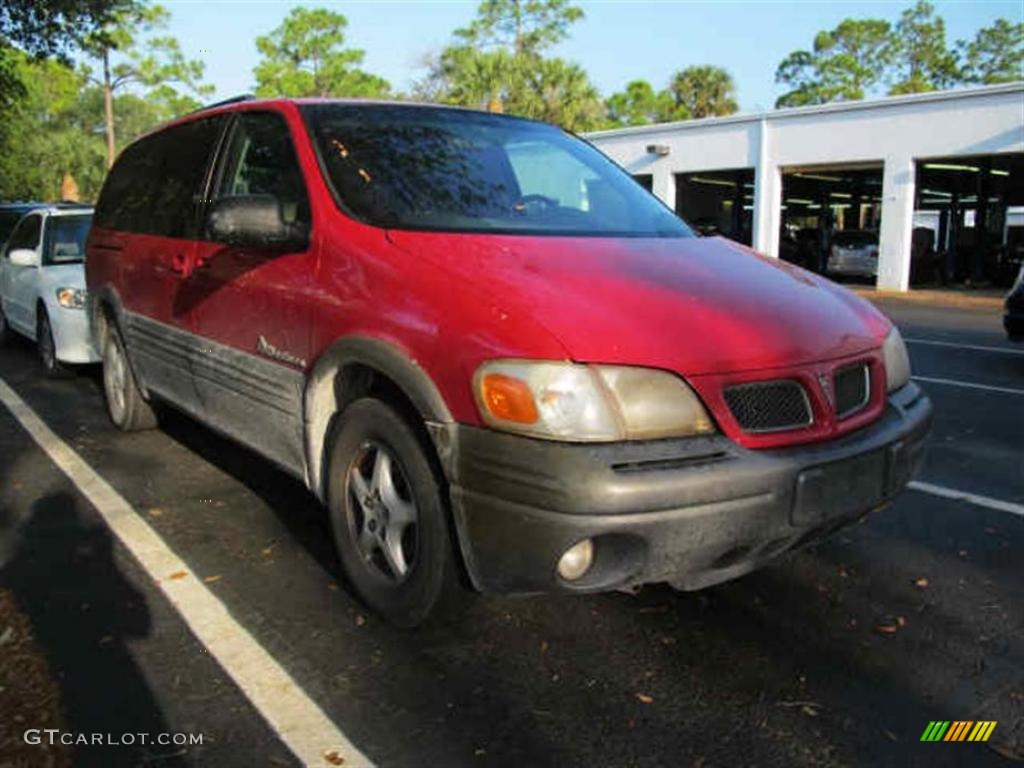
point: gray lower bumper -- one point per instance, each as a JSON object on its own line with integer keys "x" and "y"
{"x": 694, "y": 512}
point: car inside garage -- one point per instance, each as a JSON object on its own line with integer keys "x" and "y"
{"x": 718, "y": 202}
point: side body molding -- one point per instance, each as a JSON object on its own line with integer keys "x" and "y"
{"x": 322, "y": 397}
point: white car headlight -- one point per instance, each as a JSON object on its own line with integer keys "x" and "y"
{"x": 587, "y": 403}
{"x": 71, "y": 298}
{"x": 897, "y": 362}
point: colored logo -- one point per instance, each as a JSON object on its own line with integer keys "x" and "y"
{"x": 958, "y": 730}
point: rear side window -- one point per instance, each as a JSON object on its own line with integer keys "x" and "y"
{"x": 157, "y": 184}
{"x": 26, "y": 234}
{"x": 261, "y": 160}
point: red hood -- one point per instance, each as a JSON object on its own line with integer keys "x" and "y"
{"x": 701, "y": 305}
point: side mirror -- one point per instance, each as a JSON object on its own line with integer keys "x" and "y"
{"x": 24, "y": 257}
{"x": 255, "y": 221}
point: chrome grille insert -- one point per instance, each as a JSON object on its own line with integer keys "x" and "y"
{"x": 769, "y": 406}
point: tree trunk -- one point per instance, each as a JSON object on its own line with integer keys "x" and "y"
{"x": 108, "y": 106}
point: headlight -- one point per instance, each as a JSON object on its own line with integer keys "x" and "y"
{"x": 567, "y": 401}
{"x": 897, "y": 363}
{"x": 71, "y": 298}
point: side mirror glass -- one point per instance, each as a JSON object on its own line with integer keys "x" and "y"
{"x": 24, "y": 257}
{"x": 255, "y": 221}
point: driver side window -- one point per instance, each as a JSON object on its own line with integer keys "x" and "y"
{"x": 26, "y": 234}
{"x": 261, "y": 161}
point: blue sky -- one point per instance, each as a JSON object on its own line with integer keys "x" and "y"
{"x": 618, "y": 41}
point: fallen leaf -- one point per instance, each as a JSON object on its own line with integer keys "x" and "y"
{"x": 922, "y": 582}
{"x": 360, "y": 620}
{"x": 643, "y": 697}
{"x": 901, "y": 621}
{"x": 155, "y": 511}
{"x": 544, "y": 646}
{"x": 887, "y": 629}
{"x": 334, "y": 758}
{"x": 211, "y": 579}
{"x": 809, "y": 711}
{"x": 178, "y": 575}
{"x": 333, "y": 587}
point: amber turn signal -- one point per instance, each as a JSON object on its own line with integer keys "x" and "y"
{"x": 508, "y": 398}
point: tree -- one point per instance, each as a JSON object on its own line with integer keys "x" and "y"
{"x": 844, "y": 64}
{"x": 921, "y": 61}
{"x": 559, "y": 92}
{"x": 53, "y": 27}
{"x": 703, "y": 91}
{"x": 640, "y": 104}
{"x": 497, "y": 63}
{"x": 306, "y": 56}
{"x": 50, "y": 133}
{"x": 995, "y": 55}
{"x": 524, "y": 27}
{"x": 154, "y": 62}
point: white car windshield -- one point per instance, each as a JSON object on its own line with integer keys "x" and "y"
{"x": 65, "y": 239}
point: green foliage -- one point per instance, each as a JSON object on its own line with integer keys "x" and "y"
{"x": 640, "y": 104}
{"x": 844, "y": 64}
{"x": 306, "y": 56}
{"x": 703, "y": 91}
{"x": 53, "y": 27}
{"x": 49, "y": 134}
{"x": 857, "y": 57}
{"x": 497, "y": 64}
{"x": 521, "y": 26}
{"x": 921, "y": 60}
{"x": 995, "y": 55}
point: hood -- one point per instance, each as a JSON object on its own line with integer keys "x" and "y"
{"x": 692, "y": 305}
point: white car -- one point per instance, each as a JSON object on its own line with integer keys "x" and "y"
{"x": 42, "y": 285}
{"x": 854, "y": 253}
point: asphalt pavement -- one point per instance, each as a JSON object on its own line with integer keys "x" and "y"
{"x": 840, "y": 654}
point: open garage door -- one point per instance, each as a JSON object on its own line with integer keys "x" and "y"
{"x": 968, "y": 220}
{"x": 831, "y": 218}
{"x": 718, "y": 202}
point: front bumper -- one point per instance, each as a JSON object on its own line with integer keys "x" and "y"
{"x": 72, "y": 335}
{"x": 693, "y": 512}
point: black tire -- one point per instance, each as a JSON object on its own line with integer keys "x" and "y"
{"x": 366, "y": 430}
{"x": 126, "y": 406}
{"x": 52, "y": 367}
{"x": 5, "y": 329}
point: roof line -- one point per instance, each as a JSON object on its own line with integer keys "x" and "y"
{"x": 815, "y": 109}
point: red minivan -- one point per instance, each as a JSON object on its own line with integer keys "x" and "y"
{"x": 497, "y": 359}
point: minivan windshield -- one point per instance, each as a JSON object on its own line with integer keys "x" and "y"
{"x": 65, "y": 239}
{"x": 432, "y": 168}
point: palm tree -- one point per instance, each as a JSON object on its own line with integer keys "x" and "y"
{"x": 704, "y": 91}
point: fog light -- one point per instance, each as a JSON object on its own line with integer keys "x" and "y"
{"x": 577, "y": 560}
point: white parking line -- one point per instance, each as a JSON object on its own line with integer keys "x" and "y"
{"x": 299, "y": 722}
{"x": 970, "y": 385}
{"x": 970, "y": 498}
{"x": 977, "y": 347}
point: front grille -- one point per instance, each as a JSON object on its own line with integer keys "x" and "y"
{"x": 769, "y": 406}
{"x": 853, "y": 389}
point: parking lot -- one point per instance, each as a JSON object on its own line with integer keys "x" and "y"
{"x": 838, "y": 655}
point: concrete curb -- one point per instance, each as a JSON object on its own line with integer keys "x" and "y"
{"x": 988, "y": 299}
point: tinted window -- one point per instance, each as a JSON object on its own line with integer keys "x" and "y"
{"x": 130, "y": 188}
{"x": 445, "y": 169}
{"x": 26, "y": 234}
{"x": 156, "y": 185}
{"x": 65, "y": 239}
{"x": 261, "y": 161}
{"x": 8, "y": 219}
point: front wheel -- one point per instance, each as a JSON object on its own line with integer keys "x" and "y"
{"x": 52, "y": 367}
{"x": 388, "y": 515}
{"x": 125, "y": 404}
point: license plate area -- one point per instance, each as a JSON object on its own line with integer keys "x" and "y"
{"x": 839, "y": 489}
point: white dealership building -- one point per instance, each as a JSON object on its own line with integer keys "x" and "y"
{"x": 951, "y": 162}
